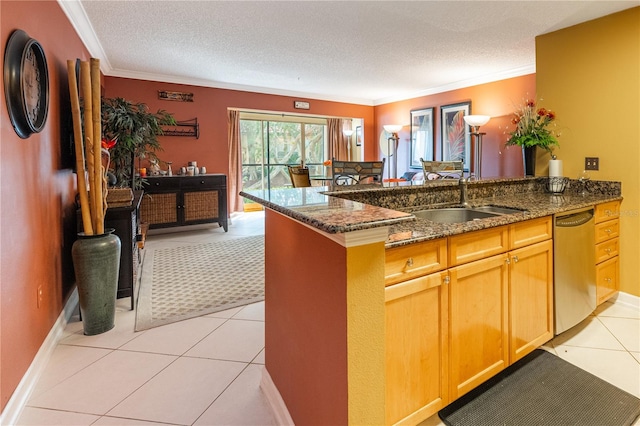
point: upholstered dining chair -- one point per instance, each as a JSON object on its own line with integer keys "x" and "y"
{"x": 299, "y": 176}
{"x": 355, "y": 172}
{"x": 442, "y": 169}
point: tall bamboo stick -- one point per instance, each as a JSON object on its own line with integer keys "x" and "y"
{"x": 77, "y": 136}
{"x": 85, "y": 78}
{"x": 97, "y": 140}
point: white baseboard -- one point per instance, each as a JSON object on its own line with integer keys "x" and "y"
{"x": 18, "y": 400}
{"x": 278, "y": 407}
{"x": 627, "y": 299}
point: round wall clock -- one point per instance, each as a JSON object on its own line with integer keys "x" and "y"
{"x": 26, "y": 84}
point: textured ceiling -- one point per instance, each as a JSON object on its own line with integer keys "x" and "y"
{"x": 367, "y": 52}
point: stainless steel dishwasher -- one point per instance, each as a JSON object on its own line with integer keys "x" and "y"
{"x": 574, "y": 267}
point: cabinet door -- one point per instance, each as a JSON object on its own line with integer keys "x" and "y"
{"x": 607, "y": 278}
{"x": 530, "y": 298}
{"x": 159, "y": 209}
{"x": 416, "y": 348}
{"x": 199, "y": 206}
{"x": 478, "y": 323}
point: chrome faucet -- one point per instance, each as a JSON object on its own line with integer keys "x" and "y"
{"x": 462, "y": 183}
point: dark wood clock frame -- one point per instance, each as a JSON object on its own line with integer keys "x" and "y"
{"x": 26, "y": 84}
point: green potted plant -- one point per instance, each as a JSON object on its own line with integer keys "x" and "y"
{"x": 535, "y": 127}
{"x": 131, "y": 131}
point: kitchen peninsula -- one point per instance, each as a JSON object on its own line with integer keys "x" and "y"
{"x": 352, "y": 276}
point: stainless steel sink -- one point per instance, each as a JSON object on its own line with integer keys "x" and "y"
{"x": 463, "y": 214}
{"x": 497, "y": 210}
{"x": 453, "y": 215}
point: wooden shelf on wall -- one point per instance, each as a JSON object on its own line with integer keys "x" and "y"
{"x": 183, "y": 128}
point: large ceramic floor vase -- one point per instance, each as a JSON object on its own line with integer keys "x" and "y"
{"x": 96, "y": 260}
{"x": 529, "y": 159}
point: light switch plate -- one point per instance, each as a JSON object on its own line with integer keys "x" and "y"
{"x": 301, "y": 105}
{"x": 591, "y": 163}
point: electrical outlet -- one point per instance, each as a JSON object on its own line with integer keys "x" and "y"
{"x": 39, "y": 296}
{"x": 591, "y": 163}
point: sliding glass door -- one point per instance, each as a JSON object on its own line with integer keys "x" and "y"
{"x": 269, "y": 145}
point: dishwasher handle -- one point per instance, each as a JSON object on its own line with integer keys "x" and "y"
{"x": 575, "y": 219}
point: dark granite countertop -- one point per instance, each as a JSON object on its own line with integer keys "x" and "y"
{"x": 325, "y": 212}
{"x": 345, "y": 209}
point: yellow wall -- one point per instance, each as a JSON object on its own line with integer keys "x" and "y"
{"x": 589, "y": 74}
{"x": 365, "y": 333}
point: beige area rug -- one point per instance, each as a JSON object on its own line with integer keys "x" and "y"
{"x": 185, "y": 282}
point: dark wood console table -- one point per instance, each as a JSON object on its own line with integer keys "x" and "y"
{"x": 126, "y": 222}
{"x": 185, "y": 200}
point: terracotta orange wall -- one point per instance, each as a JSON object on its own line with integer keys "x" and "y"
{"x": 302, "y": 349}
{"x": 210, "y": 107}
{"x": 498, "y": 99}
{"x": 37, "y": 195}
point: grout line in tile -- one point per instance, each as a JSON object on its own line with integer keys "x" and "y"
{"x": 613, "y": 334}
{"x": 135, "y": 420}
{"x": 223, "y": 391}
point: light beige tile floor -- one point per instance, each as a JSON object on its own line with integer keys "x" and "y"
{"x": 207, "y": 370}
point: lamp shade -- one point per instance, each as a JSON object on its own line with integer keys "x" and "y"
{"x": 476, "y": 120}
{"x": 392, "y": 128}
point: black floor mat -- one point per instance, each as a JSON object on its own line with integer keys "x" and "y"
{"x": 543, "y": 389}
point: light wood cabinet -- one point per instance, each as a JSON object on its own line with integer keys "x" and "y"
{"x": 530, "y": 298}
{"x": 414, "y": 260}
{"x": 416, "y": 348}
{"x": 470, "y": 246}
{"x": 607, "y": 231}
{"x": 501, "y": 307}
{"x": 478, "y": 322}
{"x": 449, "y": 330}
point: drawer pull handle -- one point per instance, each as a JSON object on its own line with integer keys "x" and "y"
{"x": 608, "y": 250}
{"x": 515, "y": 259}
{"x": 202, "y": 182}
{"x": 608, "y": 280}
{"x": 608, "y": 231}
{"x": 157, "y": 183}
{"x": 508, "y": 261}
{"x": 410, "y": 262}
{"x": 447, "y": 280}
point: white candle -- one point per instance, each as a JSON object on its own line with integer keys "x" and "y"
{"x": 555, "y": 168}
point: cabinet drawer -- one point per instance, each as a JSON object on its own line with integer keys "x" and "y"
{"x": 607, "y": 277}
{"x": 203, "y": 182}
{"x": 607, "y": 230}
{"x": 607, "y": 211}
{"x": 476, "y": 245}
{"x": 530, "y": 232}
{"x": 607, "y": 250}
{"x": 413, "y": 260}
{"x": 162, "y": 184}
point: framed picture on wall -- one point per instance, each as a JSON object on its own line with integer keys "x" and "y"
{"x": 421, "y": 137}
{"x": 455, "y": 135}
{"x": 359, "y": 136}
